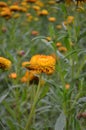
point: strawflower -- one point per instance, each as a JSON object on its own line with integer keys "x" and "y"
{"x": 13, "y": 75}
{"x": 5, "y": 64}
{"x": 41, "y": 63}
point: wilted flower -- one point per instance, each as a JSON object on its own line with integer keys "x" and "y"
{"x": 41, "y": 63}
{"x": 5, "y": 64}
{"x": 21, "y": 53}
{"x": 30, "y": 76}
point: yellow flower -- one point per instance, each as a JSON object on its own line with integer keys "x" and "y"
{"x": 59, "y": 26}
{"x": 41, "y": 63}
{"x": 3, "y": 4}
{"x": 48, "y": 38}
{"x": 70, "y": 19}
{"x": 62, "y": 49}
{"x": 67, "y": 86}
{"x": 13, "y": 75}
{"x": 43, "y": 12}
{"x": 58, "y": 44}
{"x": 52, "y": 2}
{"x": 14, "y": 8}
{"x": 17, "y": 15}
{"x": 5, "y": 64}
{"x": 52, "y": 19}
{"x": 6, "y": 12}
{"x": 39, "y": 3}
{"x": 36, "y": 8}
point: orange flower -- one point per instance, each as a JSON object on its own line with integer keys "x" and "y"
{"x": 41, "y": 63}
{"x": 34, "y": 33}
{"x": 3, "y": 4}
{"x": 36, "y": 8}
{"x": 62, "y": 49}
{"x": 43, "y": 12}
{"x": 48, "y": 38}
{"x": 70, "y": 19}
{"x": 58, "y": 44}
{"x": 52, "y": 19}
{"x": 5, "y": 64}
{"x": 59, "y": 26}
{"x": 14, "y": 8}
{"x": 6, "y": 13}
{"x": 67, "y": 86}
{"x": 52, "y": 2}
{"x": 13, "y": 75}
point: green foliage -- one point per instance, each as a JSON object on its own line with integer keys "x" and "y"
{"x": 58, "y": 102}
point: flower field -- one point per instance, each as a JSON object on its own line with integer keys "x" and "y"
{"x": 43, "y": 65}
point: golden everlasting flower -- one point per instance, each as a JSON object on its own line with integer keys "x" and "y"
{"x": 70, "y": 19}
{"x": 3, "y": 4}
{"x": 5, "y": 64}
{"x": 48, "y": 38}
{"x": 59, "y": 26}
{"x": 13, "y": 75}
{"x": 14, "y": 8}
{"x": 35, "y": 33}
{"x": 41, "y": 63}
{"x": 52, "y": 2}
{"x": 52, "y": 19}
{"x": 6, "y": 14}
{"x": 43, "y": 12}
{"x": 39, "y": 3}
{"x": 62, "y": 49}
{"x": 36, "y": 8}
{"x": 67, "y": 86}
{"x": 58, "y": 44}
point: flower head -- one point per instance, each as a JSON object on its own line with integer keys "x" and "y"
{"x": 5, "y": 64}
{"x": 13, "y": 75}
{"x": 41, "y": 63}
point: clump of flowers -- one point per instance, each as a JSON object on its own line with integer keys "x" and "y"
{"x": 41, "y": 63}
{"x": 5, "y": 64}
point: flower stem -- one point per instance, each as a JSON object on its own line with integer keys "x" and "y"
{"x": 28, "y": 124}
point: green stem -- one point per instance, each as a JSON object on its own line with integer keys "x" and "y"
{"x": 28, "y": 124}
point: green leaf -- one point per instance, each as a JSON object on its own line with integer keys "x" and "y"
{"x": 60, "y": 122}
